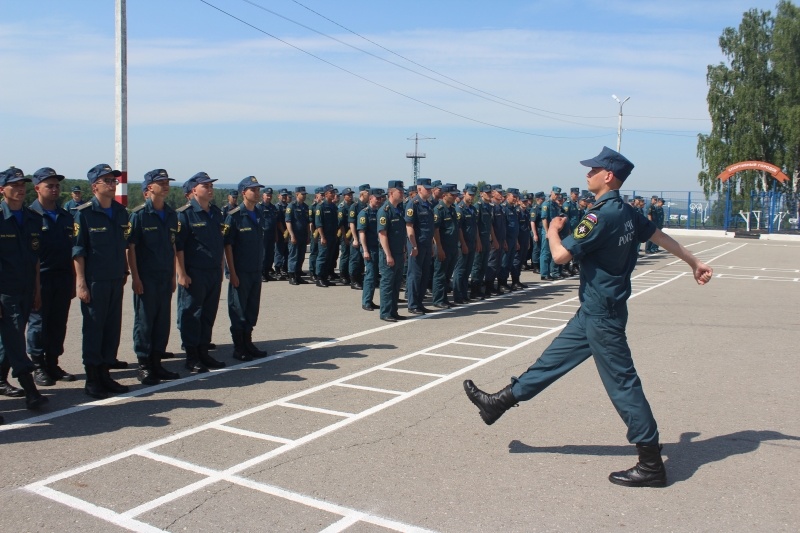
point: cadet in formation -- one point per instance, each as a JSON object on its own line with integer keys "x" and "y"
{"x": 326, "y": 220}
{"x": 485, "y": 215}
{"x": 419, "y": 231}
{"x": 281, "y": 245}
{"x": 470, "y": 244}
{"x": 496, "y": 254}
{"x": 344, "y": 235}
{"x": 392, "y": 235}
{"x": 356, "y": 267}
{"x": 297, "y": 219}
{"x": 270, "y": 217}
{"x": 368, "y": 234}
{"x": 448, "y": 240}
{"x": 605, "y": 241}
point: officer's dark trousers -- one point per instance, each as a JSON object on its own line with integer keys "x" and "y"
{"x": 370, "y": 275}
{"x": 47, "y": 327}
{"x": 312, "y": 255}
{"x": 102, "y": 322}
{"x": 521, "y": 256}
{"x": 197, "y": 306}
{"x": 544, "y": 255}
{"x": 602, "y": 337}
{"x": 461, "y": 274}
{"x": 356, "y": 260}
{"x": 535, "y": 251}
{"x": 243, "y": 301}
{"x": 507, "y": 261}
{"x": 443, "y": 273}
{"x": 480, "y": 262}
{"x": 269, "y": 255}
{"x": 419, "y": 274}
{"x": 345, "y": 249}
{"x": 152, "y": 315}
{"x": 16, "y": 309}
{"x": 391, "y": 279}
{"x": 281, "y": 253}
{"x": 297, "y": 254}
{"x": 326, "y": 259}
{"x": 493, "y": 265}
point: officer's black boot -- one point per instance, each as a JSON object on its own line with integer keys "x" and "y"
{"x": 251, "y": 348}
{"x": 193, "y": 364}
{"x": 501, "y": 288}
{"x": 322, "y": 282}
{"x": 492, "y": 406}
{"x": 239, "y": 351}
{"x": 109, "y": 384}
{"x": 358, "y": 282}
{"x": 160, "y": 371}
{"x": 473, "y": 291}
{"x": 299, "y": 279}
{"x": 207, "y": 360}
{"x": 145, "y": 374}
{"x": 40, "y": 376}
{"x": 55, "y": 371}
{"x": 648, "y": 472}
{"x": 94, "y": 387}
{"x": 6, "y": 388}
{"x": 33, "y": 398}
{"x": 293, "y": 277}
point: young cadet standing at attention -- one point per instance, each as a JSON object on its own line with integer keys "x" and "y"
{"x": 326, "y": 222}
{"x": 101, "y": 271}
{"x": 485, "y": 213}
{"x": 606, "y": 242}
{"x": 448, "y": 238}
{"x": 356, "y": 254}
{"x": 199, "y": 257}
{"x": 270, "y": 212}
{"x": 298, "y": 225}
{"x": 470, "y": 243}
{"x": 392, "y": 237}
{"x": 244, "y": 237}
{"x": 368, "y": 233}
{"x": 151, "y": 257}
{"x": 20, "y": 242}
{"x": 419, "y": 228}
{"x": 47, "y": 327}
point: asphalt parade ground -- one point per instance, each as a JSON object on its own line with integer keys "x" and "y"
{"x": 356, "y": 425}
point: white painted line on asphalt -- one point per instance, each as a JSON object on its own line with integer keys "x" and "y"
{"x": 544, "y": 318}
{"x": 480, "y": 345}
{"x": 344, "y": 523}
{"x": 559, "y": 312}
{"x": 507, "y": 334}
{"x": 530, "y": 325}
{"x": 415, "y": 372}
{"x": 316, "y": 409}
{"x": 452, "y": 356}
{"x": 253, "y": 434}
{"x": 371, "y": 389}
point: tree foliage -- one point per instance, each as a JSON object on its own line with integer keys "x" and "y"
{"x": 754, "y": 100}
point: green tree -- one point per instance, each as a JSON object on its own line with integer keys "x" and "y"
{"x": 786, "y": 58}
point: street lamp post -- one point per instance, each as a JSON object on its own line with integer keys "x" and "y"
{"x": 619, "y": 125}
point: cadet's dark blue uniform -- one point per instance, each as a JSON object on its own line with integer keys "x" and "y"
{"x": 281, "y": 247}
{"x": 244, "y": 233}
{"x": 357, "y": 254}
{"x": 153, "y": 237}
{"x": 313, "y": 249}
{"x": 102, "y": 239}
{"x": 327, "y": 222}
{"x": 524, "y": 239}
{"x": 345, "y": 244}
{"x": 297, "y": 215}
{"x": 484, "y": 214}
{"x": 392, "y": 222}
{"x": 548, "y": 211}
{"x": 270, "y": 220}
{"x": 536, "y": 245}
{"x": 512, "y": 238}
{"x": 47, "y": 327}
{"x": 445, "y": 219}
{"x": 468, "y": 222}
{"x": 419, "y": 215}
{"x": 368, "y": 224}
{"x": 494, "y": 265}
{"x": 605, "y": 241}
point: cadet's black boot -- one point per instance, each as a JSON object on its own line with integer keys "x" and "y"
{"x": 160, "y": 371}
{"x": 492, "y": 406}
{"x": 322, "y": 282}
{"x": 55, "y": 371}
{"x": 93, "y": 386}
{"x": 490, "y": 290}
{"x": 358, "y": 282}
{"x": 145, "y": 373}
{"x": 473, "y": 292}
{"x": 648, "y": 472}
{"x": 293, "y": 278}
{"x": 40, "y": 376}
{"x": 207, "y": 360}
{"x": 300, "y": 280}
{"x": 239, "y": 351}
{"x": 6, "y": 388}
{"x": 109, "y": 384}
{"x": 33, "y": 398}
{"x": 193, "y": 364}
{"x": 251, "y": 348}
{"x": 501, "y": 289}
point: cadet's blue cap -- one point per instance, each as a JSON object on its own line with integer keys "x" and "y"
{"x": 661, "y": 200}
{"x": 513, "y": 191}
{"x": 197, "y": 179}
{"x": 396, "y": 184}
{"x": 364, "y": 187}
{"x": 638, "y": 198}
{"x": 328, "y": 187}
{"x": 319, "y": 190}
{"x": 576, "y": 190}
{"x": 267, "y": 190}
{"x": 77, "y": 189}
{"x": 497, "y": 187}
{"x": 411, "y": 188}
{"x": 436, "y": 183}
{"x": 233, "y": 192}
{"x": 612, "y": 161}
{"x": 98, "y": 171}
{"x": 346, "y": 191}
{"x": 250, "y": 182}
{"x": 299, "y": 189}
{"x": 377, "y": 192}
{"x": 529, "y": 196}
{"x": 449, "y": 188}
{"x": 157, "y": 174}
{"x": 470, "y": 189}
{"x": 424, "y": 182}
{"x": 654, "y": 197}
{"x": 486, "y": 188}
{"x": 539, "y": 194}
{"x": 44, "y": 173}
{"x": 564, "y": 195}
{"x": 556, "y": 189}
{"x": 11, "y": 175}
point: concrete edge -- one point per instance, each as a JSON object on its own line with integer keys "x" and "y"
{"x": 729, "y": 234}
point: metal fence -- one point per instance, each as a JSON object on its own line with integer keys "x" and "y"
{"x": 761, "y": 211}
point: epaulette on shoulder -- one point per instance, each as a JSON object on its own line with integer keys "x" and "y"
{"x": 234, "y": 211}
{"x": 182, "y": 208}
{"x": 137, "y": 209}
{"x": 84, "y": 206}
{"x": 35, "y": 212}
{"x": 387, "y": 208}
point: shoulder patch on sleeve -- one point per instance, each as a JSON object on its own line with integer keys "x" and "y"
{"x": 137, "y": 209}
{"x": 410, "y": 212}
{"x": 84, "y": 206}
{"x": 584, "y": 227}
{"x": 233, "y": 211}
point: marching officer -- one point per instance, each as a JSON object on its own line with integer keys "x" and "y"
{"x": 151, "y": 258}
{"x": 392, "y": 235}
{"x": 484, "y": 213}
{"x": 47, "y": 326}
{"x": 368, "y": 234}
{"x": 299, "y": 227}
{"x": 420, "y": 229}
{"x": 470, "y": 244}
{"x": 356, "y": 254}
{"x": 448, "y": 239}
{"x": 270, "y": 220}
{"x": 243, "y": 233}
{"x": 199, "y": 250}
{"x": 20, "y": 242}
{"x": 326, "y": 219}
{"x": 281, "y": 245}
{"x": 101, "y": 271}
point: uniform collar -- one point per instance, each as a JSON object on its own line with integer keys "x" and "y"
{"x": 607, "y": 196}
{"x": 36, "y": 206}
{"x": 7, "y": 210}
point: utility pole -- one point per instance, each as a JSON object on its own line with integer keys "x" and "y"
{"x": 121, "y": 100}
{"x": 416, "y": 156}
{"x": 619, "y": 125}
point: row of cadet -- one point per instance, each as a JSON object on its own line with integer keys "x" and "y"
{"x": 49, "y": 255}
{"x": 654, "y": 213}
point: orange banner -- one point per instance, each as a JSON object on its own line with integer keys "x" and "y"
{"x": 753, "y": 165}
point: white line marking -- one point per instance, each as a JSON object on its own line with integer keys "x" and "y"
{"x": 364, "y": 387}
{"x": 402, "y": 371}
{"x": 253, "y": 434}
{"x": 453, "y": 356}
{"x": 530, "y": 325}
{"x": 544, "y": 318}
{"x": 507, "y": 334}
{"x": 480, "y": 345}
{"x": 317, "y": 409}
{"x": 343, "y": 523}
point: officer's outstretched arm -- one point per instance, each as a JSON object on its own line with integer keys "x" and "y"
{"x": 702, "y": 272}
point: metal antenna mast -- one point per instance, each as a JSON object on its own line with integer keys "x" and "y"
{"x": 416, "y": 156}
{"x": 121, "y": 100}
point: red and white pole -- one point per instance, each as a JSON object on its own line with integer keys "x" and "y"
{"x": 121, "y": 101}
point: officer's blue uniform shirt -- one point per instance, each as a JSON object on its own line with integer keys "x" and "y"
{"x": 153, "y": 238}
{"x": 246, "y": 238}
{"x": 446, "y": 219}
{"x": 606, "y": 242}
{"x": 368, "y": 223}
{"x": 468, "y": 222}
{"x": 420, "y": 213}
{"x": 19, "y": 250}
{"x": 297, "y": 214}
{"x": 270, "y": 219}
{"x": 200, "y": 236}
{"x": 55, "y": 252}
{"x": 485, "y": 213}
{"x": 327, "y": 218}
{"x": 102, "y": 240}
{"x": 499, "y": 221}
{"x": 391, "y": 220}
{"x": 573, "y": 213}
{"x": 512, "y": 219}
{"x": 524, "y": 218}
{"x": 343, "y": 215}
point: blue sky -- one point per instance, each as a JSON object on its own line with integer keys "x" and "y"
{"x": 206, "y": 92}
